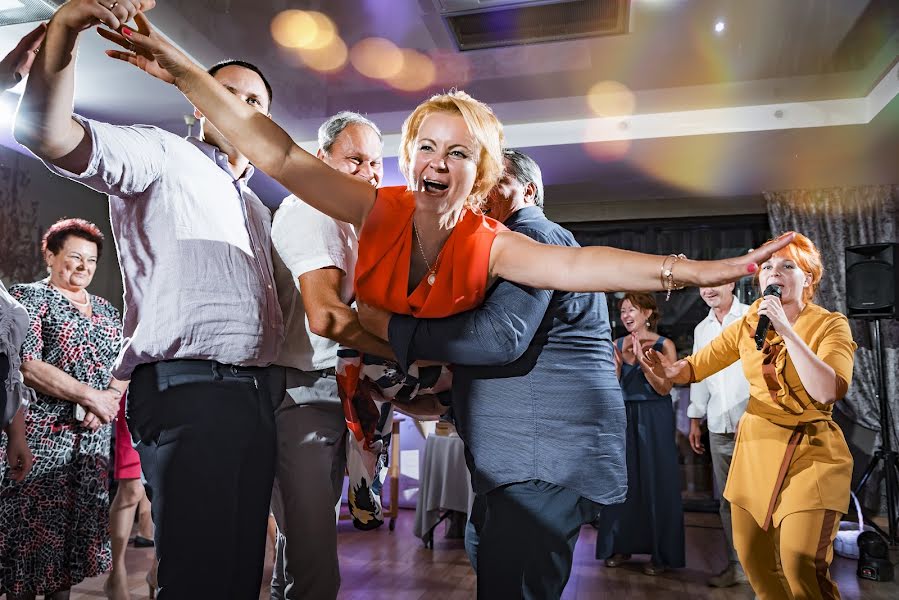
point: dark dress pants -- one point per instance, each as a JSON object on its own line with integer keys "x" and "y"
{"x": 522, "y": 536}
{"x": 206, "y": 439}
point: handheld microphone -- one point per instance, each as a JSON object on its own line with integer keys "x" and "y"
{"x": 764, "y": 322}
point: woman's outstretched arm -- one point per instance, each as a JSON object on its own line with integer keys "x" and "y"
{"x": 517, "y": 258}
{"x": 255, "y": 135}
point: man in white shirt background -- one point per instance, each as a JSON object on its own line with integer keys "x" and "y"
{"x": 314, "y": 259}
{"x": 721, "y": 400}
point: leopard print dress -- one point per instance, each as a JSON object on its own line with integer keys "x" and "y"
{"x": 54, "y": 524}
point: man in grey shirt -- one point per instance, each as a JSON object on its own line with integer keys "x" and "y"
{"x": 202, "y": 319}
{"x": 315, "y": 259}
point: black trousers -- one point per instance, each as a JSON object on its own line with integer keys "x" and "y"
{"x": 521, "y": 539}
{"x": 206, "y": 439}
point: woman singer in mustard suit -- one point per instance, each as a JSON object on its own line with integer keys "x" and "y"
{"x": 790, "y": 476}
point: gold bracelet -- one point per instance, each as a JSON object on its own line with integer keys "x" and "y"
{"x": 667, "y": 275}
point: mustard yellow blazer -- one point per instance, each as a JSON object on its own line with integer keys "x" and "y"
{"x": 790, "y": 456}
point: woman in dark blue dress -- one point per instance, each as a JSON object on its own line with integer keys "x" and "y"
{"x": 651, "y": 520}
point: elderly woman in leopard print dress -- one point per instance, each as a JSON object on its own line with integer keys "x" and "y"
{"x": 54, "y": 523}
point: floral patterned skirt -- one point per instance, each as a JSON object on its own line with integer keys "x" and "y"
{"x": 54, "y": 525}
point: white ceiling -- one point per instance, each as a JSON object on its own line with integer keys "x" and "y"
{"x": 793, "y": 94}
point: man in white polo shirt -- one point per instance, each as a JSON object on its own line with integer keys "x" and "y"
{"x": 720, "y": 399}
{"x": 315, "y": 258}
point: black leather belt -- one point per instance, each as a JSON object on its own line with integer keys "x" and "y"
{"x": 171, "y": 373}
{"x": 329, "y": 372}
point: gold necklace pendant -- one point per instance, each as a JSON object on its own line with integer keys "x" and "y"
{"x": 432, "y": 277}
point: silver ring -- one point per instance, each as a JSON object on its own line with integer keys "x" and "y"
{"x": 112, "y": 6}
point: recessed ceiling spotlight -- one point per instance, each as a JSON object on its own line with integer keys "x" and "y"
{"x": 719, "y": 27}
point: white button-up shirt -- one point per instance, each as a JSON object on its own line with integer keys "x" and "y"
{"x": 720, "y": 398}
{"x": 305, "y": 240}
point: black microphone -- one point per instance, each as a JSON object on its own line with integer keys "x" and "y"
{"x": 761, "y": 332}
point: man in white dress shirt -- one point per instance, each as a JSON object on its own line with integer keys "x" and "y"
{"x": 315, "y": 259}
{"x": 721, "y": 400}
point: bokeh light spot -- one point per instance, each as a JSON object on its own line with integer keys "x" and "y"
{"x": 294, "y": 28}
{"x": 418, "y": 72}
{"x": 611, "y": 99}
{"x": 327, "y": 59}
{"x": 377, "y": 58}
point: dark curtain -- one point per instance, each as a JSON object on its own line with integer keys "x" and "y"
{"x": 707, "y": 238}
{"x": 835, "y": 218}
{"x": 20, "y": 236}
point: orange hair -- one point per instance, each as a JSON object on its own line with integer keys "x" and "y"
{"x": 482, "y": 124}
{"x": 804, "y": 253}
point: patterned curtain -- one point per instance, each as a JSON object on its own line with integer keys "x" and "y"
{"x": 20, "y": 235}
{"x": 835, "y": 218}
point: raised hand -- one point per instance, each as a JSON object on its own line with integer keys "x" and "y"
{"x": 16, "y": 65}
{"x": 148, "y": 51}
{"x": 719, "y": 272}
{"x": 79, "y": 15}
{"x": 663, "y": 368}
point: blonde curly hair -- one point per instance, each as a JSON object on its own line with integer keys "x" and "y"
{"x": 482, "y": 124}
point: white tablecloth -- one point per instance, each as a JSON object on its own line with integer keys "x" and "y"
{"x": 444, "y": 482}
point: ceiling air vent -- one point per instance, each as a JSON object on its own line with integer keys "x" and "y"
{"x": 479, "y": 24}
{"x": 13, "y": 12}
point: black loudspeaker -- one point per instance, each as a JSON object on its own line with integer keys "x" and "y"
{"x": 873, "y": 558}
{"x": 872, "y": 280}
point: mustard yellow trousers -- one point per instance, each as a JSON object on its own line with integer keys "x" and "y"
{"x": 791, "y": 561}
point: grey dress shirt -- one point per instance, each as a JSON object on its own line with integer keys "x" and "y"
{"x": 194, "y": 246}
{"x": 535, "y": 394}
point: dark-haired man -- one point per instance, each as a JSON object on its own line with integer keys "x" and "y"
{"x": 202, "y": 320}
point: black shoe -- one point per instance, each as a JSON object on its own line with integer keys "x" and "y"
{"x": 142, "y": 542}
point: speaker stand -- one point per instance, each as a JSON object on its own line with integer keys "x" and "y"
{"x": 885, "y": 456}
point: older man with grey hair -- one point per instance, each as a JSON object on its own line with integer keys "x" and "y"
{"x": 314, "y": 258}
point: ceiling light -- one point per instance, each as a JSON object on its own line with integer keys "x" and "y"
{"x": 719, "y": 27}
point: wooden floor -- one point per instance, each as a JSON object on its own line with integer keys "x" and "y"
{"x": 380, "y": 565}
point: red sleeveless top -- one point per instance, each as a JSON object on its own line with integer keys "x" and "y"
{"x": 385, "y": 250}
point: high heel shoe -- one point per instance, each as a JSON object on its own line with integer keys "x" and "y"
{"x": 616, "y": 560}
{"x": 654, "y": 570}
{"x": 152, "y": 584}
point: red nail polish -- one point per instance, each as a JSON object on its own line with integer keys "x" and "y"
{"x": 752, "y": 268}
{"x": 127, "y": 32}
